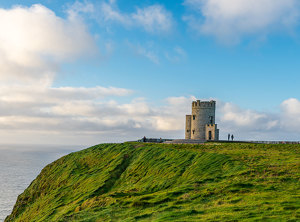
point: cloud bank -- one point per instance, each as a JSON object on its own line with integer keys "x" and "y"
{"x": 90, "y": 115}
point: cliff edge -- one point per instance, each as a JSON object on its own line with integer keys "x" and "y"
{"x": 166, "y": 182}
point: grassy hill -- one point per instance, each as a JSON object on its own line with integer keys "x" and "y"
{"x": 160, "y": 182}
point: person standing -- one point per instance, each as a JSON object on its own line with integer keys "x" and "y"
{"x": 232, "y": 137}
{"x": 228, "y": 136}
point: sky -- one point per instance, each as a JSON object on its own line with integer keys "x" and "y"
{"x": 88, "y": 72}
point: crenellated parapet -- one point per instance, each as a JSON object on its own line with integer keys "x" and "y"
{"x": 199, "y": 103}
{"x": 211, "y": 125}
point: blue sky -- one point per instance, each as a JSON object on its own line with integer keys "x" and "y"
{"x": 93, "y": 71}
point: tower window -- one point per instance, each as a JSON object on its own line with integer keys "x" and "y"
{"x": 194, "y": 117}
{"x": 211, "y": 119}
{"x": 193, "y": 131}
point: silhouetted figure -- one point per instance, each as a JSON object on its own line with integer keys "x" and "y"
{"x": 232, "y": 137}
{"x": 228, "y": 136}
{"x": 144, "y": 139}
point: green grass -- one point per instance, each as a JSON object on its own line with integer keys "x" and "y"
{"x": 160, "y": 182}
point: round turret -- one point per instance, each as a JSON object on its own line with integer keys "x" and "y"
{"x": 203, "y": 113}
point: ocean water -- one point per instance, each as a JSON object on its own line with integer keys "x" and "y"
{"x": 19, "y": 166}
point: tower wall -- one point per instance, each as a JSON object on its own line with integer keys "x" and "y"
{"x": 203, "y": 113}
{"x": 188, "y": 127}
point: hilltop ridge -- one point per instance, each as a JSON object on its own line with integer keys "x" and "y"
{"x": 166, "y": 182}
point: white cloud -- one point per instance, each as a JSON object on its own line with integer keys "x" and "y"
{"x": 171, "y": 115}
{"x": 110, "y": 12}
{"x": 153, "y": 19}
{"x": 229, "y": 20}
{"x": 291, "y": 107}
{"x": 250, "y": 124}
{"x": 33, "y": 41}
{"x": 78, "y": 8}
{"x": 152, "y": 52}
{"x": 178, "y": 54}
{"x": 242, "y": 118}
{"x": 52, "y": 95}
{"x": 147, "y": 50}
{"x": 245, "y": 123}
{"x": 290, "y": 114}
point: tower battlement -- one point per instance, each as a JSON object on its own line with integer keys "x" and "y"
{"x": 199, "y": 103}
{"x": 211, "y": 125}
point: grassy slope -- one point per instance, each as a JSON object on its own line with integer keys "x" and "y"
{"x": 158, "y": 182}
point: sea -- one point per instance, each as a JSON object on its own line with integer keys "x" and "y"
{"x": 20, "y": 165}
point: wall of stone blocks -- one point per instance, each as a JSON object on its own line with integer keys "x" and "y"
{"x": 188, "y": 120}
{"x": 203, "y": 113}
{"x": 214, "y": 132}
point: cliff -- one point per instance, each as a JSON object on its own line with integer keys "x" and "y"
{"x": 159, "y": 182}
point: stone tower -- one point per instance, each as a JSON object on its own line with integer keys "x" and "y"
{"x": 201, "y": 124}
